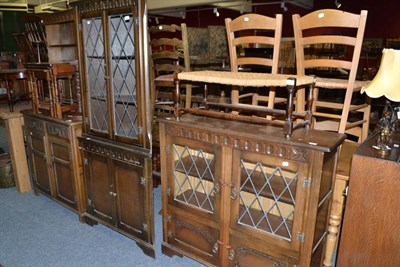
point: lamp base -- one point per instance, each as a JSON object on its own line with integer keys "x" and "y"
{"x": 386, "y": 126}
{"x": 382, "y": 150}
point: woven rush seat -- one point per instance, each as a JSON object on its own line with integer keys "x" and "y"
{"x": 338, "y": 83}
{"x": 165, "y": 78}
{"x": 243, "y": 78}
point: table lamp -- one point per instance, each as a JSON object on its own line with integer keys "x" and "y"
{"x": 386, "y": 83}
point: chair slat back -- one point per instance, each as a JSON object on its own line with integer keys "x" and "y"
{"x": 169, "y": 49}
{"x": 252, "y": 31}
{"x": 327, "y": 27}
{"x": 328, "y": 44}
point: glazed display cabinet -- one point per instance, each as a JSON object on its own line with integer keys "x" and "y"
{"x": 238, "y": 194}
{"x": 55, "y": 163}
{"x": 116, "y": 143}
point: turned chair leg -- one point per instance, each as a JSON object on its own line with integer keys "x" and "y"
{"x": 335, "y": 218}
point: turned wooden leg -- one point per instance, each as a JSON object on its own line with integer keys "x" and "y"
{"x": 335, "y": 218}
{"x": 333, "y": 230}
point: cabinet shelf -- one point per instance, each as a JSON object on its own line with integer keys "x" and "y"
{"x": 194, "y": 198}
{"x": 276, "y": 181}
{"x": 113, "y": 58}
{"x": 201, "y": 166}
{"x": 62, "y": 45}
{"x": 125, "y": 99}
{"x": 274, "y": 227}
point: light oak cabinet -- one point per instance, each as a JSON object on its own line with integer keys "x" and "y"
{"x": 55, "y": 162}
{"x": 236, "y": 194}
{"x": 116, "y": 142}
{"x": 370, "y": 231}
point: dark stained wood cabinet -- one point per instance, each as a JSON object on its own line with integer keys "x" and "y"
{"x": 238, "y": 194}
{"x": 55, "y": 162}
{"x": 119, "y": 192}
{"x": 116, "y": 144}
{"x": 370, "y": 232}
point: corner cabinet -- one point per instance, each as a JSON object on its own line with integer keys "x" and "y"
{"x": 237, "y": 194}
{"x": 55, "y": 162}
{"x": 116, "y": 141}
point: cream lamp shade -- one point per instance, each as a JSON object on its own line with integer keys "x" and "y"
{"x": 387, "y": 80}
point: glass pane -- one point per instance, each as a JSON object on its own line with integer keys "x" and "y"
{"x": 123, "y": 75}
{"x": 194, "y": 177}
{"x": 95, "y": 69}
{"x": 267, "y": 198}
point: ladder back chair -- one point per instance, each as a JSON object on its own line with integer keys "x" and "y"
{"x": 328, "y": 44}
{"x": 170, "y": 55}
{"x": 254, "y": 31}
{"x": 36, "y": 34}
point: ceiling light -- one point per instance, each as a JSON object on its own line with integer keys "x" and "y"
{"x": 338, "y": 5}
{"x": 215, "y": 11}
{"x": 283, "y": 6}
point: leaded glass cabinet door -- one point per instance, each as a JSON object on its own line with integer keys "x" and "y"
{"x": 96, "y": 76}
{"x": 111, "y": 73}
{"x": 123, "y": 77}
{"x": 193, "y": 217}
{"x": 268, "y": 197}
{"x": 196, "y": 174}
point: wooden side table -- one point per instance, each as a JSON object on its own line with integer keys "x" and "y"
{"x": 14, "y": 122}
{"x": 9, "y": 77}
{"x": 370, "y": 234}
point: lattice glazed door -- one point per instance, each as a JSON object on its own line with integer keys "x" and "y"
{"x": 269, "y": 197}
{"x": 195, "y": 177}
{"x": 96, "y": 76}
{"x": 123, "y": 75}
{"x": 111, "y": 69}
{"x": 194, "y": 198}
